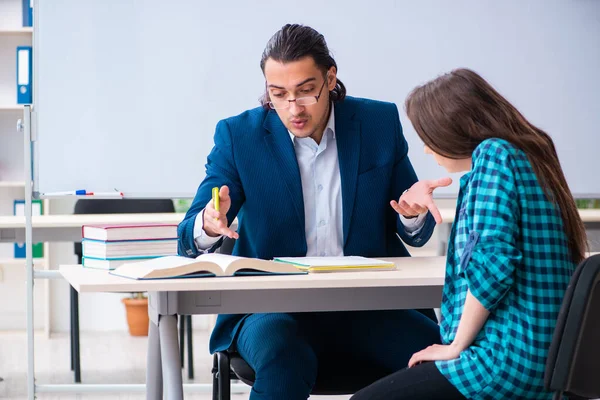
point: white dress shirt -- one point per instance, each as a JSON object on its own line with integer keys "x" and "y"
{"x": 322, "y": 194}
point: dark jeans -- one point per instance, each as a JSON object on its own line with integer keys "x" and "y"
{"x": 422, "y": 382}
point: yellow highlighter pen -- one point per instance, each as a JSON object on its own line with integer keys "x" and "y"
{"x": 215, "y": 198}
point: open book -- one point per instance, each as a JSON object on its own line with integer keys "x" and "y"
{"x": 333, "y": 264}
{"x": 202, "y": 266}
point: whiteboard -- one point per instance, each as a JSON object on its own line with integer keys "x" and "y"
{"x": 128, "y": 93}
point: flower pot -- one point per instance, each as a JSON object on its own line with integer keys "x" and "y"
{"x": 137, "y": 316}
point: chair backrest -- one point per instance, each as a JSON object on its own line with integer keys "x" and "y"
{"x": 226, "y": 246}
{"x": 120, "y": 206}
{"x": 574, "y": 356}
{"x": 123, "y": 206}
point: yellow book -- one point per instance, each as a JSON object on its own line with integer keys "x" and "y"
{"x": 332, "y": 264}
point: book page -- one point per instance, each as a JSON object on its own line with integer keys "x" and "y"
{"x": 258, "y": 264}
{"x": 222, "y": 260}
{"x": 165, "y": 262}
{"x": 168, "y": 266}
{"x": 232, "y": 264}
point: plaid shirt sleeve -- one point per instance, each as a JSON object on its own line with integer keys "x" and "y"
{"x": 491, "y": 252}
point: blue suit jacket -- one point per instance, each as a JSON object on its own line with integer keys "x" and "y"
{"x": 255, "y": 157}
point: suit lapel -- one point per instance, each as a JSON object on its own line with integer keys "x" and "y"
{"x": 347, "y": 131}
{"x": 279, "y": 142}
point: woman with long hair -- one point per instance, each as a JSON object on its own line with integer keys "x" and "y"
{"x": 516, "y": 239}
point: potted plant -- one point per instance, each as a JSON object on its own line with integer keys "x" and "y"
{"x": 136, "y": 309}
{"x": 587, "y": 203}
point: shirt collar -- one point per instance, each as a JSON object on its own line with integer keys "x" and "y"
{"x": 330, "y": 126}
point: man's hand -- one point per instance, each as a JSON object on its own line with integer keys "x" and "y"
{"x": 419, "y": 198}
{"x": 435, "y": 352}
{"x": 215, "y": 222}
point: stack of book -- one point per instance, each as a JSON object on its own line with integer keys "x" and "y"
{"x": 109, "y": 246}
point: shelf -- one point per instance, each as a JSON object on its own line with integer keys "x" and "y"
{"x": 11, "y": 107}
{"x": 12, "y": 184}
{"x": 9, "y": 262}
{"x": 11, "y": 31}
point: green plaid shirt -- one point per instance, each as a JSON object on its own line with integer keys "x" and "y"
{"x": 508, "y": 246}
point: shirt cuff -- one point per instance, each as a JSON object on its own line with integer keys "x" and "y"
{"x": 413, "y": 225}
{"x": 202, "y": 240}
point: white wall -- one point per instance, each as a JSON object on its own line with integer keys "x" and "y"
{"x": 160, "y": 73}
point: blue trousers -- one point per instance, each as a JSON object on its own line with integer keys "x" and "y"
{"x": 284, "y": 349}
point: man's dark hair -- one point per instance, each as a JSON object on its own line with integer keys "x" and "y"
{"x": 294, "y": 42}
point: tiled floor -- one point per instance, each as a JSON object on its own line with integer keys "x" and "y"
{"x": 107, "y": 357}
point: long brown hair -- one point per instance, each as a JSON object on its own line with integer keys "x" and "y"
{"x": 454, "y": 113}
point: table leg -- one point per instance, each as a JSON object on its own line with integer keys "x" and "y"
{"x": 443, "y": 234}
{"x": 154, "y": 384}
{"x": 76, "y": 353}
{"x": 181, "y": 338}
{"x": 188, "y": 327}
{"x": 169, "y": 351}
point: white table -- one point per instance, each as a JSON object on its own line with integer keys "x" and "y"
{"x": 67, "y": 228}
{"x": 417, "y": 283}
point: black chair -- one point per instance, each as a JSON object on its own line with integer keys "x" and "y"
{"x": 122, "y": 206}
{"x": 338, "y": 374}
{"x": 574, "y": 356}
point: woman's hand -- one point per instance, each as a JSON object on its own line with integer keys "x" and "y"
{"x": 435, "y": 352}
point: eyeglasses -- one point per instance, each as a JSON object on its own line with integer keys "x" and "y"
{"x": 300, "y": 101}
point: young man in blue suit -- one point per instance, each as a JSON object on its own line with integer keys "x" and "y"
{"x": 312, "y": 173}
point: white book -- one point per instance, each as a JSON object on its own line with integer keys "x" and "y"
{"x": 129, "y": 248}
{"x": 111, "y": 263}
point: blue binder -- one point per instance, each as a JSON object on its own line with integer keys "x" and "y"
{"x": 24, "y": 75}
{"x": 27, "y": 12}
